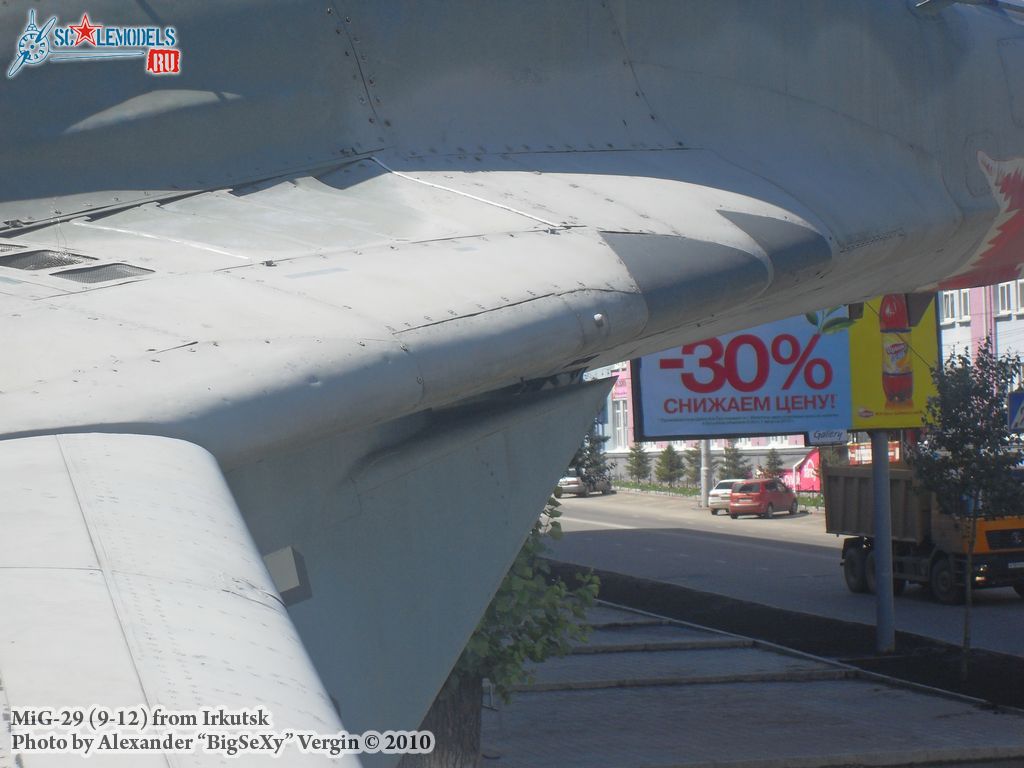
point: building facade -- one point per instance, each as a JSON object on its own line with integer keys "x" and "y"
{"x": 968, "y": 316}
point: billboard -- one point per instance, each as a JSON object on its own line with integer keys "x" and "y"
{"x": 893, "y": 349}
{"x": 822, "y": 372}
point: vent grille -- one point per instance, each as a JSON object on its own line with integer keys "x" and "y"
{"x": 1006, "y": 539}
{"x": 34, "y": 260}
{"x": 102, "y": 273}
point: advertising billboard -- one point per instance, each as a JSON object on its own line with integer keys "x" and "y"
{"x": 893, "y": 351}
{"x": 820, "y": 373}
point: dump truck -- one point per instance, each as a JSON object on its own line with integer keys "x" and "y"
{"x": 929, "y": 547}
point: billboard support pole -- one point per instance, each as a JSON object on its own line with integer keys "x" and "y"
{"x": 885, "y": 625}
{"x": 705, "y": 471}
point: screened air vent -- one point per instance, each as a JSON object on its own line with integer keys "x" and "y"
{"x": 102, "y": 273}
{"x": 41, "y": 259}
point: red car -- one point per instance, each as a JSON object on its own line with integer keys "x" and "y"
{"x": 762, "y": 498}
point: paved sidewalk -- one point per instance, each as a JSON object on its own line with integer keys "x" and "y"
{"x": 647, "y": 693}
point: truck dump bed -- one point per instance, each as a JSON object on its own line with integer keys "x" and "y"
{"x": 849, "y": 503}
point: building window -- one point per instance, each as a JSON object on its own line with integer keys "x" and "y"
{"x": 620, "y": 424}
{"x": 778, "y": 440}
{"x": 1004, "y": 298}
{"x": 948, "y": 304}
{"x": 965, "y": 304}
{"x": 1020, "y": 295}
{"x": 743, "y": 442}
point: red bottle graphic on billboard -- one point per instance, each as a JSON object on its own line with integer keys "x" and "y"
{"x": 897, "y": 371}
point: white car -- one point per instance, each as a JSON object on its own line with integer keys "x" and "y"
{"x": 718, "y": 498}
{"x": 581, "y": 484}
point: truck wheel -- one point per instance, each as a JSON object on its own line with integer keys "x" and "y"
{"x": 853, "y": 569}
{"x": 714, "y": 513}
{"x": 943, "y": 583}
{"x": 898, "y": 585}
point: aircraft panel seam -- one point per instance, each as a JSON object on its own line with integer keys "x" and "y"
{"x": 508, "y": 208}
{"x": 104, "y": 569}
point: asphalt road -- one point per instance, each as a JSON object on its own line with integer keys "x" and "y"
{"x": 785, "y": 562}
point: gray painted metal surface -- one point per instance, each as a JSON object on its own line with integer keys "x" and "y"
{"x": 885, "y": 621}
{"x": 399, "y": 541}
{"x": 129, "y": 579}
{"x": 356, "y": 215}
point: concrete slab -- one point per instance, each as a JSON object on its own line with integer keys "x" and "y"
{"x": 745, "y": 725}
{"x": 657, "y": 637}
{"x": 599, "y": 615}
{"x": 676, "y": 667}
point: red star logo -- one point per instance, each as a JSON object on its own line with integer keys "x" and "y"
{"x": 85, "y": 31}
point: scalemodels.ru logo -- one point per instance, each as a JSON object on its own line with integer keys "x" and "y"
{"x": 85, "y": 41}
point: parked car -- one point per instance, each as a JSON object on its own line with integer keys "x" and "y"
{"x": 718, "y": 498}
{"x": 761, "y": 497}
{"x": 577, "y": 482}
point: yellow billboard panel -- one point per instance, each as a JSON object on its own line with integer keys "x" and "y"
{"x": 891, "y": 363}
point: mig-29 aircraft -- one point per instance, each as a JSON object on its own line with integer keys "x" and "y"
{"x": 318, "y": 281}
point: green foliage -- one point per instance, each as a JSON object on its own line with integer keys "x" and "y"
{"x": 530, "y": 617}
{"x": 773, "y": 466}
{"x": 734, "y": 464}
{"x": 966, "y": 456}
{"x": 810, "y": 499}
{"x": 669, "y": 467}
{"x": 832, "y": 456}
{"x": 692, "y": 473}
{"x": 638, "y": 463}
{"x": 679, "y": 490}
{"x": 826, "y": 324}
{"x": 967, "y": 453}
{"x": 590, "y": 458}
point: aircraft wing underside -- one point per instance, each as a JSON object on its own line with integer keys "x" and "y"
{"x": 129, "y": 580}
{"x": 386, "y": 329}
{"x": 275, "y": 312}
{"x": 362, "y": 253}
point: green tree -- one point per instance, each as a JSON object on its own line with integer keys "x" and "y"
{"x": 691, "y": 475}
{"x": 773, "y": 466}
{"x": 590, "y": 457}
{"x": 967, "y": 454}
{"x": 832, "y": 456}
{"x": 669, "y": 467}
{"x": 638, "y": 463}
{"x": 734, "y": 464}
{"x": 531, "y": 618}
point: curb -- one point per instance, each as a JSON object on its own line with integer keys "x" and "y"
{"x": 793, "y": 676}
{"x": 651, "y": 598}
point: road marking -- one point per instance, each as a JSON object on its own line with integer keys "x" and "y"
{"x": 566, "y": 519}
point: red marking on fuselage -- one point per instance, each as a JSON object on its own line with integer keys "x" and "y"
{"x": 1000, "y": 259}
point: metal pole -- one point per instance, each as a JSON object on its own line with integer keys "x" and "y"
{"x": 885, "y": 625}
{"x": 705, "y": 471}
